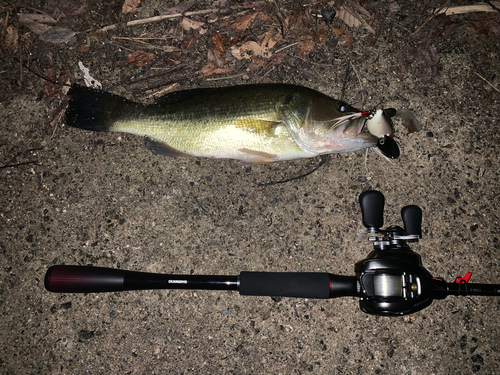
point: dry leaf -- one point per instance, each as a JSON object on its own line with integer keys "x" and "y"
{"x": 353, "y": 19}
{"x": 218, "y": 42}
{"x": 488, "y": 28}
{"x": 305, "y": 48}
{"x": 35, "y": 17}
{"x": 423, "y": 58}
{"x": 179, "y": 8}
{"x": 140, "y": 58}
{"x": 130, "y": 6}
{"x": 247, "y": 50}
{"x": 218, "y": 52}
{"x": 83, "y": 48}
{"x": 52, "y": 89}
{"x": 189, "y": 40}
{"x": 11, "y": 38}
{"x": 37, "y": 28}
{"x": 270, "y": 38}
{"x": 209, "y": 69}
{"x": 71, "y": 8}
{"x": 188, "y": 24}
{"x": 36, "y": 22}
{"x": 360, "y": 9}
{"x": 300, "y": 27}
{"x": 244, "y": 22}
{"x": 237, "y": 39}
{"x": 57, "y": 35}
{"x": 348, "y": 17}
{"x": 321, "y": 35}
{"x": 276, "y": 59}
{"x": 216, "y": 57}
{"x": 343, "y": 35}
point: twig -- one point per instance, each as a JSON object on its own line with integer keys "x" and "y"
{"x": 285, "y": 47}
{"x": 266, "y": 73}
{"x": 58, "y": 117}
{"x": 491, "y": 6}
{"x": 157, "y": 94}
{"x": 160, "y": 18}
{"x": 494, "y": 6}
{"x": 20, "y": 62}
{"x": 146, "y": 45}
{"x": 357, "y": 75}
{"x": 488, "y": 82}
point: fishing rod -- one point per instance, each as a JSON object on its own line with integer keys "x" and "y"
{"x": 391, "y": 281}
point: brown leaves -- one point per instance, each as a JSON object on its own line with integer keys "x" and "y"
{"x": 53, "y": 87}
{"x": 38, "y": 23}
{"x": 423, "y": 58}
{"x": 189, "y": 24}
{"x": 353, "y": 19}
{"x": 343, "y": 36}
{"x": 488, "y": 28}
{"x": 140, "y": 58}
{"x": 218, "y": 44}
{"x": 11, "y": 38}
{"x": 262, "y": 48}
{"x": 130, "y": 6}
{"x": 306, "y": 32}
{"x": 244, "y": 22}
{"x": 216, "y": 63}
{"x": 209, "y": 68}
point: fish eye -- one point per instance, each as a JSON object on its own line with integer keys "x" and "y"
{"x": 342, "y": 106}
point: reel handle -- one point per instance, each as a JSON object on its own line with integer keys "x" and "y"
{"x": 372, "y": 209}
{"x": 412, "y": 219}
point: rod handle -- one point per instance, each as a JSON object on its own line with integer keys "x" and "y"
{"x": 297, "y": 284}
{"x": 78, "y": 279}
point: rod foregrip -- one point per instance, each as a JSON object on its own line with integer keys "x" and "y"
{"x": 77, "y": 279}
{"x": 296, "y": 284}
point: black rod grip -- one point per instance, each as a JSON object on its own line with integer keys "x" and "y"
{"x": 372, "y": 208}
{"x": 296, "y": 284}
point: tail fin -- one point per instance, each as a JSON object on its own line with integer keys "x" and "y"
{"x": 92, "y": 109}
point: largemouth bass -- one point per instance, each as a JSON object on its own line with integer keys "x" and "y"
{"x": 252, "y": 123}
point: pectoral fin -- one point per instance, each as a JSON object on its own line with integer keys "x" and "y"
{"x": 255, "y": 156}
{"x": 259, "y": 126}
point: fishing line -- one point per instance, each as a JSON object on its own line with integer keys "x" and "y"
{"x": 321, "y": 162}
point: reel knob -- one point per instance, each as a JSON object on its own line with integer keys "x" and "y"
{"x": 372, "y": 209}
{"x": 412, "y": 219}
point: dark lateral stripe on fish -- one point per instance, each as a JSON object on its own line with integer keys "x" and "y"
{"x": 92, "y": 109}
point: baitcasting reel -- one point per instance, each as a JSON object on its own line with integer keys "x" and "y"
{"x": 391, "y": 281}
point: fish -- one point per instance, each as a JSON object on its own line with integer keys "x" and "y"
{"x": 256, "y": 123}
